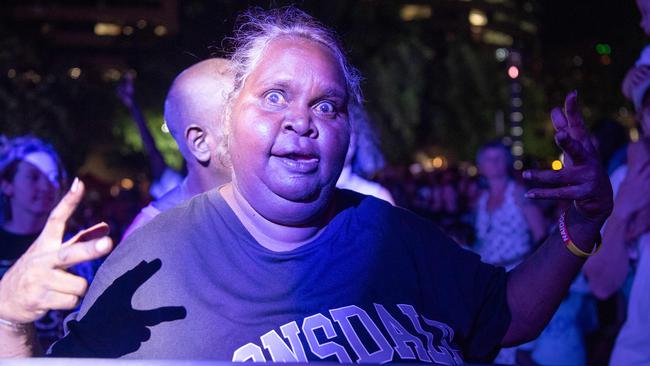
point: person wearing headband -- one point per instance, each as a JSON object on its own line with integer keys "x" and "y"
{"x": 31, "y": 181}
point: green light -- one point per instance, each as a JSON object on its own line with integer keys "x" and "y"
{"x": 603, "y": 49}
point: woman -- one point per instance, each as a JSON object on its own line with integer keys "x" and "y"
{"x": 507, "y": 224}
{"x": 279, "y": 265}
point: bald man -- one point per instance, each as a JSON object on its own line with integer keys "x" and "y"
{"x": 193, "y": 110}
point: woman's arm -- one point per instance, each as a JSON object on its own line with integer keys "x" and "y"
{"x": 536, "y": 287}
{"x": 607, "y": 270}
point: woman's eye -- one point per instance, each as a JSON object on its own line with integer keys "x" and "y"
{"x": 275, "y": 98}
{"x": 326, "y": 107}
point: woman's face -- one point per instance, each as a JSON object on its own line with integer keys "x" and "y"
{"x": 290, "y": 131}
{"x": 493, "y": 163}
{"x": 30, "y": 191}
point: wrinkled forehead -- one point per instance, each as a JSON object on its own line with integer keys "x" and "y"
{"x": 46, "y": 164}
{"x": 298, "y": 58}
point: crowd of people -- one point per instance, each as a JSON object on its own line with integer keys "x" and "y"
{"x": 290, "y": 240}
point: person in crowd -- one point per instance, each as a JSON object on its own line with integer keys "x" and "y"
{"x": 279, "y": 265}
{"x": 363, "y": 158}
{"x": 165, "y": 178}
{"x": 31, "y": 181}
{"x": 193, "y": 111}
{"x": 508, "y": 226}
{"x": 628, "y": 233}
{"x": 611, "y": 139}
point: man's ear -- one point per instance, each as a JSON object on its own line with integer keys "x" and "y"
{"x": 198, "y": 143}
{"x": 7, "y": 188}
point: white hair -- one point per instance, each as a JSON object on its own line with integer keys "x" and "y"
{"x": 256, "y": 29}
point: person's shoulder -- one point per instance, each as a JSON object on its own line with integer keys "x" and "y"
{"x": 518, "y": 193}
{"x": 184, "y": 210}
{"x": 617, "y": 177}
{"x": 359, "y": 184}
{"x": 170, "y": 199}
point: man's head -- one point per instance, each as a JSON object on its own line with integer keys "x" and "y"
{"x": 194, "y": 110}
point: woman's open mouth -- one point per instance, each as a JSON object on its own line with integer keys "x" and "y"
{"x": 298, "y": 162}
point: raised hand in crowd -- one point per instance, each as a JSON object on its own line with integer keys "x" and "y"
{"x": 39, "y": 282}
{"x": 126, "y": 93}
{"x": 552, "y": 268}
{"x": 583, "y": 179}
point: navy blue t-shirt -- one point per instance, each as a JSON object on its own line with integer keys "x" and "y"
{"x": 379, "y": 284}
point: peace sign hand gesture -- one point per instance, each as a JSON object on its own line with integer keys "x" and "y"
{"x": 582, "y": 180}
{"x": 38, "y": 281}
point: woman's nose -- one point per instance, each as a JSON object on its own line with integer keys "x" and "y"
{"x": 300, "y": 122}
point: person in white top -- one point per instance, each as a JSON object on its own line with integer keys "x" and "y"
{"x": 363, "y": 158}
{"x": 507, "y": 224}
{"x": 193, "y": 114}
{"x": 627, "y": 233}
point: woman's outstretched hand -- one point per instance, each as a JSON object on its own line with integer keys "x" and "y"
{"x": 583, "y": 179}
{"x": 38, "y": 281}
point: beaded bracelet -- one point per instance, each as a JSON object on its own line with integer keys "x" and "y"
{"x": 570, "y": 245}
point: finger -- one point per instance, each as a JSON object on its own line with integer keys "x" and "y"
{"x": 130, "y": 281}
{"x": 66, "y": 283}
{"x": 553, "y": 177}
{"x": 55, "y": 225}
{"x": 82, "y": 252}
{"x": 559, "y": 120}
{"x": 163, "y": 314}
{"x": 571, "y": 147}
{"x": 94, "y": 232}
{"x": 58, "y": 301}
{"x": 563, "y": 193}
{"x": 577, "y": 127}
{"x": 574, "y": 117}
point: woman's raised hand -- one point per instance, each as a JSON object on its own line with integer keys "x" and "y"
{"x": 583, "y": 179}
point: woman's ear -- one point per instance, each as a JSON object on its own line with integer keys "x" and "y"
{"x": 198, "y": 142}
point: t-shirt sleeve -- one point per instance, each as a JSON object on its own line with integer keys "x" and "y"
{"x": 474, "y": 293}
{"x": 491, "y": 317}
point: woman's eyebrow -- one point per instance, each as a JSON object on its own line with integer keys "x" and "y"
{"x": 274, "y": 83}
{"x": 335, "y": 92}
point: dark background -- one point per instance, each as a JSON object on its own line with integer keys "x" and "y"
{"x": 433, "y": 84}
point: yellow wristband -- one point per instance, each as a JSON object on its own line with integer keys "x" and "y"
{"x": 570, "y": 245}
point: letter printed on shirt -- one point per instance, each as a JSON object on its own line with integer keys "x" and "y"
{"x": 248, "y": 352}
{"x": 279, "y": 350}
{"x": 447, "y": 338}
{"x": 343, "y": 315}
{"x": 327, "y": 349}
{"x": 401, "y": 336}
{"x": 439, "y": 355}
